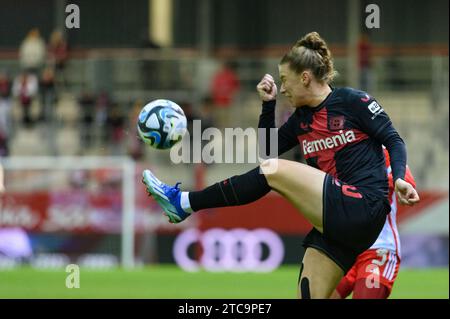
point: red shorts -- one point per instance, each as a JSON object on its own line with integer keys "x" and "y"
{"x": 375, "y": 266}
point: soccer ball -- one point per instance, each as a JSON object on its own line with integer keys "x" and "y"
{"x": 161, "y": 124}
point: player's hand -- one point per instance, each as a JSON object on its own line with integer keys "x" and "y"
{"x": 406, "y": 194}
{"x": 267, "y": 89}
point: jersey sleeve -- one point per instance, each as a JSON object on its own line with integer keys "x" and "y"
{"x": 370, "y": 116}
{"x": 374, "y": 121}
{"x": 409, "y": 177}
{"x": 285, "y": 135}
{"x": 408, "y": 174}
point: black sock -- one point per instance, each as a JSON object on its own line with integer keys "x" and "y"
{"x": 236, "y": 190}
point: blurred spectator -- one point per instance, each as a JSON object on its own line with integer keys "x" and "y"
{"x": 87, "y": 102}
{"x": 32, "y": 52}
{"x": 365, "y": 62}
{"x": 225, "y": 85}
{"x": 207, "y": 112}
{"x": 58, "y": 53}
{"x": 5, "y": 112}
{"x": 25, "y": 88}
{"x": 102, "y": 106}
{"x": 116, "y": 123}
{"x": 5, "y": 85}
{"x": 48, "y": 94}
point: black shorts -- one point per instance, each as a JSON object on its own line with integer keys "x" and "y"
{"x": 352, "y": 221}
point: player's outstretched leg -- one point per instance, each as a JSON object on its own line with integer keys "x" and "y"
{"x": 168, "y": 197}
{"x": 300, "y": 184}
{"x": 236, "y": 190}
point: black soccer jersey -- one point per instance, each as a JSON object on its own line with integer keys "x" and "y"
{"x": 343, "y": 137}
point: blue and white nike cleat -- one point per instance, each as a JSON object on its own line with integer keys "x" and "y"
{"x": 168, "y": 197}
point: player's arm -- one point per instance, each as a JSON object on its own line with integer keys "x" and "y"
{"x": 408, "y": 174}
{"x": 374, "y": 120}
{"x": 285, "y": 135}
{"x": 409, "y": 177}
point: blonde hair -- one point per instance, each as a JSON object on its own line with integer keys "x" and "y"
{"x": 311, "y": 53}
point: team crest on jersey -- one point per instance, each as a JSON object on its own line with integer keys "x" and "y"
{"x": 336, "y": 123}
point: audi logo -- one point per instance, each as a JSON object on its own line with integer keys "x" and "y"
{"x": 236, "y": 250}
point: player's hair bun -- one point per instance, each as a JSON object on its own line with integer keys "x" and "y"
{"x": 311, "y": 52}
{"x": 312, "y": 41}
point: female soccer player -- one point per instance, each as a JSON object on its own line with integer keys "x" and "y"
{"x": 342, "y": 191}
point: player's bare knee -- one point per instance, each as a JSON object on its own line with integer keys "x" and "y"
{"x": 272, "y": 169}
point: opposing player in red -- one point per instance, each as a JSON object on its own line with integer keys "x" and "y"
{"x": 375, "y": 270}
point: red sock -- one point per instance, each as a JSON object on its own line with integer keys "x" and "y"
{"x": 361, "y": 291}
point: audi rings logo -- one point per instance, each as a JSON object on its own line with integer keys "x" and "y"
{"x": 230, "y": 250}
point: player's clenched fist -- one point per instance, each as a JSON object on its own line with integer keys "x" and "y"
{"x": 267, "y": 89}
{"x": 406, "y": 193}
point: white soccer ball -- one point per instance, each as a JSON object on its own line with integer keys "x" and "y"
{"x": 161, "y": 124}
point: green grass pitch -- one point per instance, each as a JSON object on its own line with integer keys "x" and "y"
{"x": 164, "y": 282}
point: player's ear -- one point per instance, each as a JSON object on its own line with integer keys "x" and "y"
{"x": 305, "y": 78}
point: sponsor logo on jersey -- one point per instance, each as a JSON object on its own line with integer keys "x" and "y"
{"x": 375, "y": 109}
{"x": 340, "y": 139}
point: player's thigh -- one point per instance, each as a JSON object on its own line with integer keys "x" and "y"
{"x": 301, "y": 184}
{"x": 319, "y": 276}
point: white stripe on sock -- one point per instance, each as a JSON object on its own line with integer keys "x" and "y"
{"x": 184, "y": 202}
